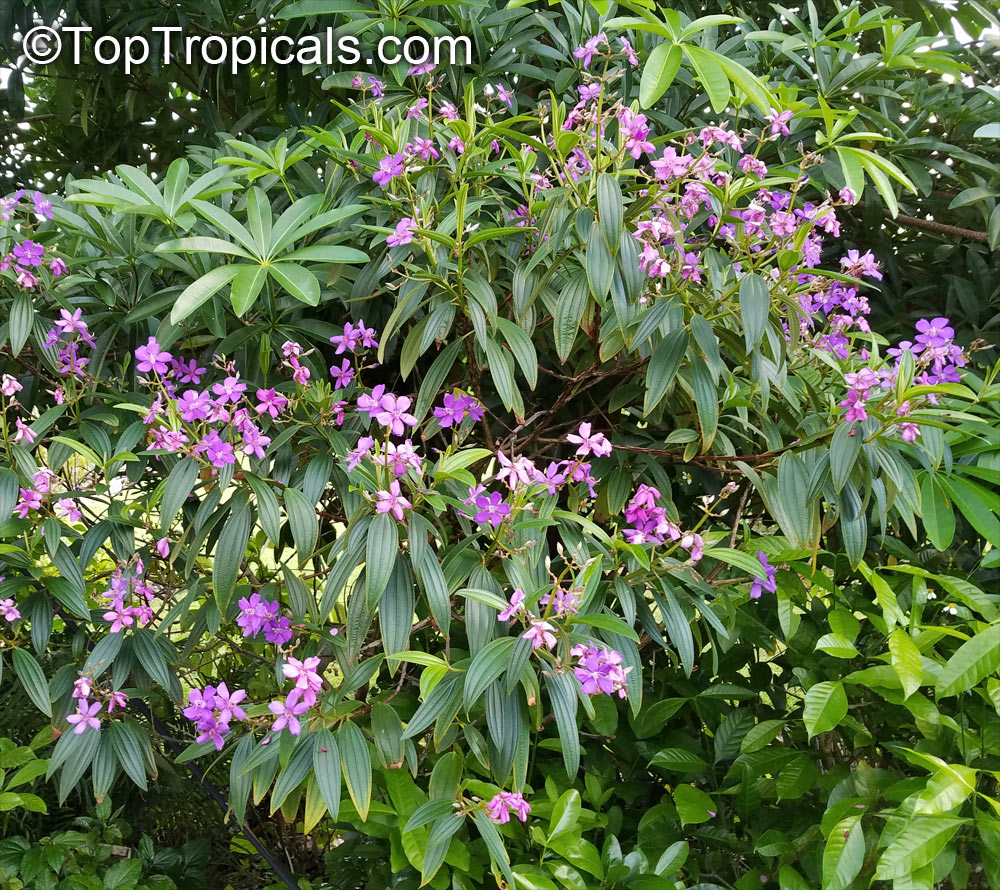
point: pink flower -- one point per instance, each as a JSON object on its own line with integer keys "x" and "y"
{"x": 8, "y": 610}
{"x": 163, "y": 547}
{"x": 86, "y": 715}
{"x": 24, "y": 433}
{"x": 9, "y": 385}
{"x": 516, "y": 605}
{"x": 388, "y": 167}
{"x": 288, "y": 713}
{"x": 596, "y": 443}
{"x": 270, "y": 402}
{"x": 393, "y": 413}
{"x": 540, "y": 634}
{"x": 404, "y": 232}
{"x": 392, "y": 501}
{"x": 779, "y": 122}
{"x": 67, "y": 508}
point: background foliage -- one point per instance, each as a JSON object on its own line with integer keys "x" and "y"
{"x": 839, "y": 731}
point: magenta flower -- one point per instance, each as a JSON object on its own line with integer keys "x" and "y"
{"x": 86, "y": 715}
{"x": 388, "y": 167}
{"x": 57, "y": 267}
{"x": 779, "y": 122}
{"x": 10, "y": 385}
{"x": 288, "y": 713}
{"x": 343, "y": 375}
{"x": 24, "y": 432}
{"x": 28, "y": 253}
{"x": 194, "y": 405}
{"x": 516, "y": 605}
{"x": 590, "y": 443}
{"x": 600, "y": 671}
{"x": 491, "y": 509}
{"x": 541, "y": 633}
{"x": 499, "y": 807}
{"x": 392, "y": 501}
{"x": 404, "y": 232}
{"x": 393, "y": 413}
{"x": 231, "y": 389}
{"x": 30, "y": 500}
{"x": 8, "y": 610}
{"x": 67, "y": 508}
{"x": 767, "y": 582}
{"x": 254, "y": 441}
{"x": 589, "y": 49}
{"x": 151, "y": 358}
{"x": 270, "y": 402}
{"x": 505, "y": 96}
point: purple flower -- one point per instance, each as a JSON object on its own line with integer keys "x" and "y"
{"x": 600, "y": 671}
{"x": 779, "y": 122}
{"x": 936, "y": 332}
{"x": 188, "y": 371}
{"x": 86, "y": 715}
{"x": 540, "y": 634}
{"x": 343, "y": 375}
{"x": 57, "y": 267}
{"x": 151, "y": 358}
{"x": 393, "y": 413}
{"x": 516, "y": 605}
{"x": 630, "y": 53}
{"x": 416, "y": 109}
{"x": 8, "y": 610}
{"x": 404, "y": 232}
{"x": 491, "y": 509}
{"x": 288, "y": 713}
{"x": 388, "y": 167}
{"x": 499, "y": 807}
{"x": 423, "y": 148}
{"x": 30, "y": 500}
{"x": 194, "y": 405}
{"x": 43, "y": 206}
{"x": 505, "y": 96}
{"x": 163, "y": 547}
{"x": 589, "y": 49}
{"x": 454, "y": 410}
{"x": 28, "y": 253}
{"x": 254, "y": 441}
{"x": 767, "y": 582}
{"x": 231, "y": 389}
{"x": 218, "y": 451}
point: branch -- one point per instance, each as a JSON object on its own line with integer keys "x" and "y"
{"x": 930, "y": 225}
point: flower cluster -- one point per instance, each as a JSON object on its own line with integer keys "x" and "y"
{"x": 43, "y": 496}
{"x": 500, "y": 806}
{"x": 212, "y": 709}
{"x": 308, "y": 683}
{"x": 87, "y": 711}
{"x": 127, "y": 586}
{"x": 257, "y": 615}
{"x": 649, "y": 524}
{"x": 936, "y": 359}
{"x": 28, "y": 258}
{"x": 600, "y": 670}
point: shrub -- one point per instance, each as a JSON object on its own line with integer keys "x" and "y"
{"x": 507, "y": 486}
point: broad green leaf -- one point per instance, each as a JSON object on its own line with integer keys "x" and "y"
{"x": 976, "y": 659}
{"x": 659, "y": 72}
{"x": 906, "y": 660}
{"x": 201, "y": 290}
{"x": 382, "y": 550}
{"x": 357, "y": 767}
{"x": 694, "y": 806}
{"x": 844, "y": 854}
{"x": 755, "y": 304}
{"x": 33, "y": 679}
{"x": 303, "y": 522}
{"x": 825, "y": 706}
{"x": 917, "y": 845}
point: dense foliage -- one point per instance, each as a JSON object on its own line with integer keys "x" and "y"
{"x": 508, "y": 482}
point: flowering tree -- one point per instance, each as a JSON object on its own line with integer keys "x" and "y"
{"x": 570, "y": 526}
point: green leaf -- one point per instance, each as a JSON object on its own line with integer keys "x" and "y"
{"x": 494, "y": 844}
{"x": 522, "y": 348}
{"x": 303, "y": 522}
{"x": 663, "y": 366}
{"x": 298, "y": 281}
{"x": 755, "y": 304}
{"x": 918, "y": 844}
{"x": 937, "y": 513}
{"x": 489, "y": 663}
{"x": 825, "y": 706}
{"x": 706, "y": 400}
{"x": 21, "y": 320}
{"x": 30, "y": 674}
{"x": 600, "y": 263}
{"x": 357, "y": 766}
{"x": 906, "y": 660}
{"x": 246, "y": 287}
{"x": 201, "y": 290}
{"x": 610, "y": 208}
{"x": 974, "y": 660}
{"x": 381, "y": 555}
{"x": 131, "y": 748}
{"x": 176, "y": 490}
{"x": 845, "y": 446}
{"x": 711, "y": 74}
{"x": 565, "y": 815}
{"x": 659, "y": 72}
{"x": 844, "y": 854}
{"x": 562, "y": 693}
{"x": 568, "y": 315}
{"x": 694, "y": 806}
{"x": 608, "y": 622}
{"x": 123, "y": 874}
{"x": 294, "y": 773}
{"x": 229, "y": 552}
{"x": 326, "y": 768}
